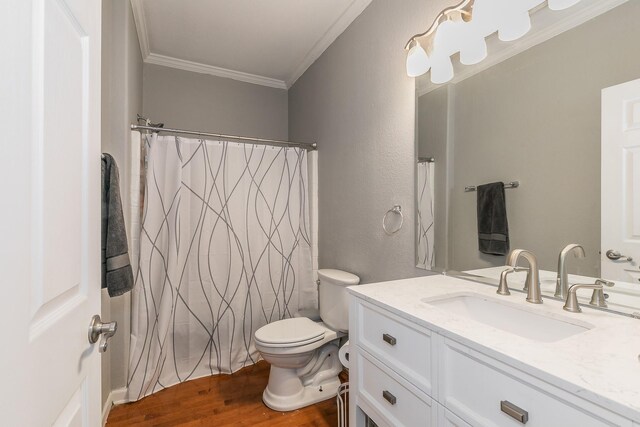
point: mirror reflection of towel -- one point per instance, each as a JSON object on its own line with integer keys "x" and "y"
{"x": 117, "y": 275}
{"x": 493, "y": 228}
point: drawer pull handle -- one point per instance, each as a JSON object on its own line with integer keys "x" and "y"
{"x": 514, "y": 411}
{"x": 389, "y": 339}
{"x": 389, "y": 397}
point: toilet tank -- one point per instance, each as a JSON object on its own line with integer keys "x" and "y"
{"x": 333, "y": 297}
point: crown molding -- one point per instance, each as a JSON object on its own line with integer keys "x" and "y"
{"x": 581, "y": 13}
{"x": 338, "y": 27}
{"x": 196, "y": 67}
{"x": 141, "y": 27}
{"x": 182, "y": 64}
{"x": 346, "y": 18}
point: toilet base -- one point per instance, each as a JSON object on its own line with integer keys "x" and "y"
{"x": 307, "y": 396}
{"x": 293, "y": 388}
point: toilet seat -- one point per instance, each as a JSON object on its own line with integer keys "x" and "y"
{"x": 292, "y": 332}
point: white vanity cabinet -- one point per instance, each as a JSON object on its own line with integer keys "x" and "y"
{"x": 403, "y": 374}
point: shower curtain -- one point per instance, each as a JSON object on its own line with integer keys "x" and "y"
{"x": 426, "y": 258}
{"x": 224, "y": 250}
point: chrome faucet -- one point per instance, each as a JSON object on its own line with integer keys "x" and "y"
{"x": 533, "y": 278}
{"x": 598, "y": 294}
{"x": 562, "y": 281}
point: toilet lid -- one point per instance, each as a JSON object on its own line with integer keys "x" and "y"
{"x": 290, "y": 332}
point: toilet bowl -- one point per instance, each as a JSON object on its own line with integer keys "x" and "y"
{"x": 303, "y": 353}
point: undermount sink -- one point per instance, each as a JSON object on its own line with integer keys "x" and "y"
{"x": 510, "y": 318}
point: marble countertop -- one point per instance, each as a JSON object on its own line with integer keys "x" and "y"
{"x": 600, "y": 365}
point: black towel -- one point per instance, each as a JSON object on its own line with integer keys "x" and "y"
{"x": 117, "y": 276}
{"x": 493, "y": 229}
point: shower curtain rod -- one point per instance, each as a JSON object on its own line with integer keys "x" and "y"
{"x": 261, "y": 141}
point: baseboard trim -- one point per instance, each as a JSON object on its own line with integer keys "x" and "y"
{"x": 116, "y": 397}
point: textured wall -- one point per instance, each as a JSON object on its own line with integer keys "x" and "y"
{"x": 121, "y": 100}
{"x": 536, "y": 118}
{"x": 357, "y": 102}
{"x": 187, "y": 100}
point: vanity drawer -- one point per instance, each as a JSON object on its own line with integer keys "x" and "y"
{"x": 473, "y": 386}
{"x": 396, "y": 344}
{"x": 395, "y": 400}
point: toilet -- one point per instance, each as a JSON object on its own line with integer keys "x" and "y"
{"x": 303, "y": 350}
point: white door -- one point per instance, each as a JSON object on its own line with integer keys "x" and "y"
{"x": 50, "y": 211}
{"x": 621, "y": 182}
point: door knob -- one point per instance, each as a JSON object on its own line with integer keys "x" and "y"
{"x": 97, "y": 328}
{"x": 615, "y": 256}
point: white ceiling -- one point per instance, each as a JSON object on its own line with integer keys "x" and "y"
{"x": 268, "y": 42}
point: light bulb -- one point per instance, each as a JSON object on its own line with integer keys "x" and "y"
{"x": 561, "y": 4}
{"x": 441, "y": 70}
{"x": 515, "y": 26}
{"x": 473, "y": 50}
{"x": 418, "y": 61}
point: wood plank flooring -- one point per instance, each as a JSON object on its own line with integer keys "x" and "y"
{"x": 221, "y": 400}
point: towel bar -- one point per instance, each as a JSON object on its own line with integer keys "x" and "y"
{"x": 512, "y": 184}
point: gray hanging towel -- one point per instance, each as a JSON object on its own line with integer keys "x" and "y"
{"x": 493, "y": 229}
{"x": 117, "y": 275}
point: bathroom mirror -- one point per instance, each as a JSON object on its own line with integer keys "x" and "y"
{"x": 532, "y": 113}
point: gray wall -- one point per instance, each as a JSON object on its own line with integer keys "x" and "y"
{"x": 433, "y": 141}
{"x": 121, "y": 100}
{"x": 187, "y": 100}
{"x": 357, "y": 102}
{"x": 536, "y": 118}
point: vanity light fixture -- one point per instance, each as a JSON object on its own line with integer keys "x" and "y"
{"x": 463, "y": 28}
{"x": 418, "y": 60}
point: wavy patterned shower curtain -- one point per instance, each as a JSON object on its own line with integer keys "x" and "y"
{"x": 426, "y": 256}
{"x": 224, "y": 250}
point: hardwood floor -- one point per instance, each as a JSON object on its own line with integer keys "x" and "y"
{"x": 221, "y": 400}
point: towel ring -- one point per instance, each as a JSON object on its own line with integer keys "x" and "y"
{"x": 396, "y": 209}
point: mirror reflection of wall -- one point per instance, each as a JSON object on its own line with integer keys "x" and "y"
{"x": 535, "y": 118}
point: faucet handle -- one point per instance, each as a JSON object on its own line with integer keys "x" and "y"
{"x": 571, "y": 304}
{"x": 503, "y": 286}
{"x": 599, "y": 299}
{"x": 605, "y": 282}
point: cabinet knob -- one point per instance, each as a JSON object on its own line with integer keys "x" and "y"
{"x": 389, "y": 397}
{"x": 514, "y": 411}
{"x": 389, "y": 339}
